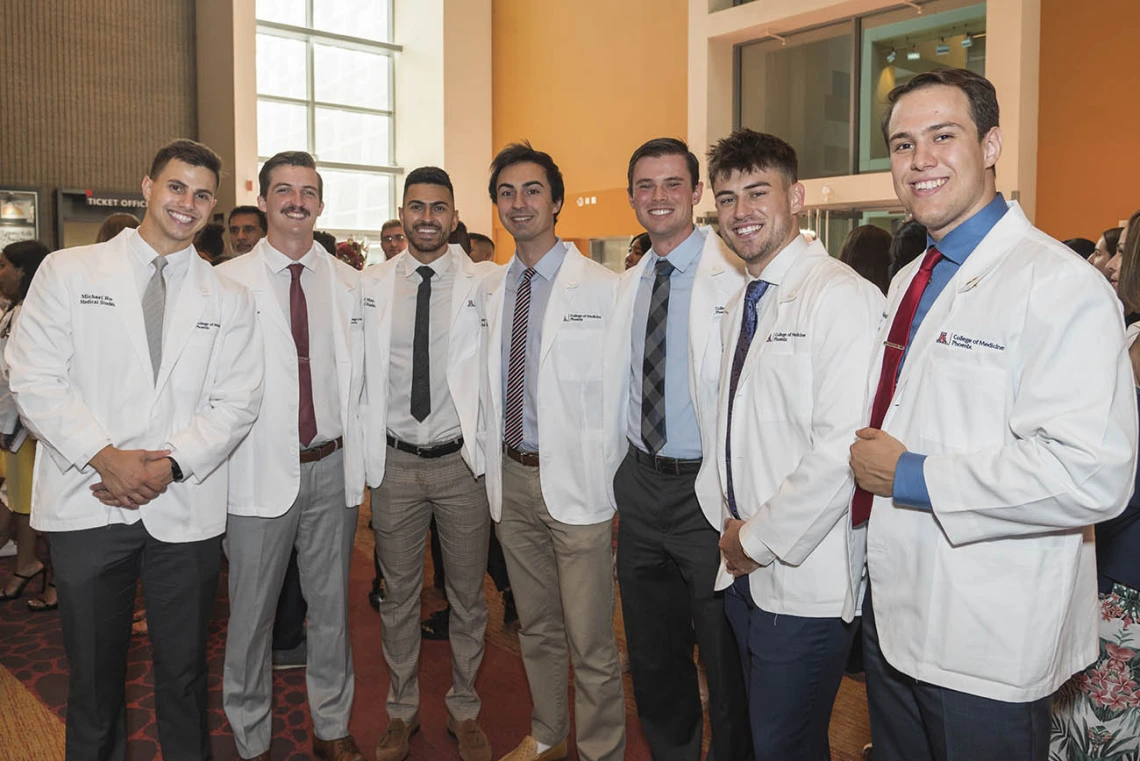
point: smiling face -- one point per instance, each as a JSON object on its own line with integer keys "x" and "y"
{"x": 663, "y": 198}
{"x": 179, "y": 202}
{"x": 293, "y": 203}
{"x": 525, "y": 204}
{"x": 939, "y": 165}
{"x": 392, "y": 240}
{"x": 757, "y": 213}
{"x": 428, "y": 215}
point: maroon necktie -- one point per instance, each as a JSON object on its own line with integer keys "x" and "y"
{"x": 893, "y": 353}
{"x": 299, "y": 319}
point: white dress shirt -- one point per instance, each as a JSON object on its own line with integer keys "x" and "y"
{"x": 442, "y": 423}
{"x": 322, "y": 360}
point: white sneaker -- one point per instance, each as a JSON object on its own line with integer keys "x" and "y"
{"x": 8, "y": 550}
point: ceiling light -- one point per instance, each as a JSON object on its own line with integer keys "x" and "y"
{"x": 913, "y": 55}
{"x": 942, "y": 48}
{"x": 968, "y": 41}
{"x": 891, "y": 56}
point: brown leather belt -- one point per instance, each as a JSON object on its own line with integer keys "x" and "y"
{"x": 438, "y": 450}
{"x": 669, "y": 465}
{"x": 324, "y": 450}
{"x": 529, "y": 459}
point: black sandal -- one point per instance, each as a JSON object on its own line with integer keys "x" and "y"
{"x": 40, "y": 605}
{"x": 24, "y": 581}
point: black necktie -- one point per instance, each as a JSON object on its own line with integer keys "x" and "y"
{"x": 421, "y": 362}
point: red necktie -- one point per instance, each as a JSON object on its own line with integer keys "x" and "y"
{"x": 893, "y": 353}
{"x": 299, "y": 321}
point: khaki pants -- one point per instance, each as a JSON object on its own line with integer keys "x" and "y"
{"x": 562, "y": 578}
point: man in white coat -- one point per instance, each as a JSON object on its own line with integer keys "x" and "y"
{"x": 1009, "y": 429}
{"x": 298, "y": 478}
{"x": 663, "y": 358}
{"x": 544, "y": 434}
{"x": 139, "y": 370}
{"x": 422, "y": 332}
{"x": 794, "y": 339}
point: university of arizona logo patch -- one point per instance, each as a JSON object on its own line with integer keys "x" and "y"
{"x": 942, "y": 338}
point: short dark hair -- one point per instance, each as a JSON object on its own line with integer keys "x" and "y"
{"x": 663, "y": 146}
{"x": 747, "y": 150}
{"x": 909, "y": 243}
{"x": 327, "y": 240}
{"x": 979, "y": 91}
{"x": 211, "y": 241}
{"x": 1082, "y": 247}
{"x": 26, "y": 255}
{"x": 522, "y": 153}
{"x": 482, "y": 239}
{"x": 188, "y": 152}
{"x": 428, "y": 175}
{"x": 867, "y": 250}
{"x": 460, "y": 237}
{"x": 1112, "y": 239}
{"x": 288, "y": 158}
{"x": 261, "y": 220}
{"x": 116, "y": 223}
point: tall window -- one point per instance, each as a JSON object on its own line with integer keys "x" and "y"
{"x": 325, "y": 72}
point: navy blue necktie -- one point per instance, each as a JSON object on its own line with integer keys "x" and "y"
{"x": 747, "y": 331}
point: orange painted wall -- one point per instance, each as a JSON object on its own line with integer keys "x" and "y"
{"x": 1088, "y": 150}
{"x": 588, "y": 81}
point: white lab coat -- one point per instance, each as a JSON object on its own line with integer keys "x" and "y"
{"x": 81, "y": 374}
{"x": 571, "y": 424}
{"x": 265, "y": 468}
{"x": 463, "y": 370}
{"x": 1018, "y": 387}
{"x": 794, "y": 420}
{"x": 720, "y": 276}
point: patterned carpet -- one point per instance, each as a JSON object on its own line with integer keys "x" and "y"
{"x": 33, "y": 687}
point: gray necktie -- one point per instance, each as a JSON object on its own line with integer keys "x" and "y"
{"x": 154, "y": 309}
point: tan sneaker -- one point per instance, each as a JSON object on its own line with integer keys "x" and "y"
{"x": 473, "y": 744}
{"x": 528, "y": 751}
{"x": 393, "y": 746}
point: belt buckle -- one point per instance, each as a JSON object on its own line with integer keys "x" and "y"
{"x": 662, "y": 465}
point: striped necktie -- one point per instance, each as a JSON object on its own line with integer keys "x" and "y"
{"x": 516, "y": 367}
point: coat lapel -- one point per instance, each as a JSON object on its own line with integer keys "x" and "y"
{"x": 562, "y": 292}
{"x": 192, "y": 299}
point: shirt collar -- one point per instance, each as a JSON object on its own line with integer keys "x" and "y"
{"x": 546, "y": 268}
{"x": 963, "y": 239}
{"x": 777, "y": 269}
{"x": 409, "y": 266}
{"x": 145, "y": 255}
{"x": 277, "y": 261}
{"x": 682, "y": 257}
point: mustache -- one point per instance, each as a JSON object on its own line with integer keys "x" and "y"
{"x": 294, "y": 209}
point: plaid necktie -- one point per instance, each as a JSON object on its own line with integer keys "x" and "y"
{"x": 653, "y": 364}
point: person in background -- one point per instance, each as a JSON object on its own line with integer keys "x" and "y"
{"x": 1095, "y": 714}
{"x": 460, "y": 237}
{"x": 909, "y": 243}
{"x": 1113, "y": 267}
{"x": 1082, "y": 247}
{"x": 115, "y": 224}
{"x": 867, "y": 250}
{"x": 1106, "y": 248}
{"x": 210, "y": 243}
{"x": 392, "y": 240}
{"x": 328, "y": 242}
{"x": 18, "y": 265}
{"x": 637, "y": 248}
{"x": 247, "y": 226}
{"x": 482, "y": 248}
{"x": 1003, "y": 425}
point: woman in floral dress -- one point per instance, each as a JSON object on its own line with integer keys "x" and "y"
{"x": 1096, "y": 715}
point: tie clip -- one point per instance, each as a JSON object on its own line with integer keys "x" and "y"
{"x": 894, "y": 346}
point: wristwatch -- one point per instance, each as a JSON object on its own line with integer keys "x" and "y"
{"x": 175, "y": 471}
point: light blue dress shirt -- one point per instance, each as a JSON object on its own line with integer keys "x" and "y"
{"x": 682, "y": 434}
{"x": 540, "y": 286}
{"x": 910, "y": 482}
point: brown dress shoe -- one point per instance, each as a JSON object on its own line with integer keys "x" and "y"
{"x": 528, "y": 751}
{"x": 343, "y": 749}
{"x": 393, "y": 746}
{"x": 473, "y": 744}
